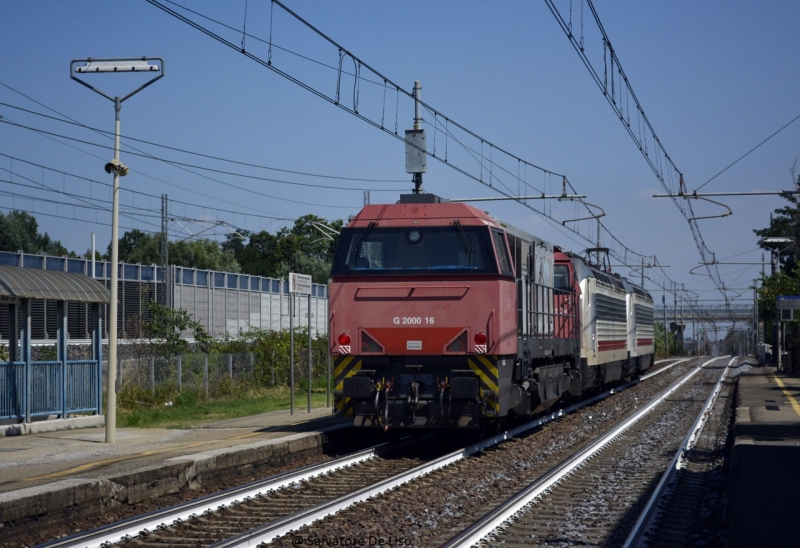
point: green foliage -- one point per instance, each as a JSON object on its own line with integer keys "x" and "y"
{"x": 302, "y": 248}
{"x": 203, "y": 254}
{"x": 188, "y": 397}
{"x": 782, "y": 283}
{"x": 271, "y": 355}
{"x": 661, "y": 351}
{"x": 785, "y": 223}
{"x": 19, "y": 231}
{"x": 139, "y": 408}
{"x": 4, "y": 353}
{"x": 136, "y": 246}
{"x": 165, "y": 327}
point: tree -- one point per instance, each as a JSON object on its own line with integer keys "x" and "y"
{"x": 658, "y": 329}
{"x": 136, "y": 246}
{"x": 165, "y": 327}
{"x": 785, "y": 224}
{"x": 204, "y": 254}
{"x": 19, "y": 231}
{"x": 303, "y": 248}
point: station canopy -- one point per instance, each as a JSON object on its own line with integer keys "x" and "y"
{"x": 18, "y": 283}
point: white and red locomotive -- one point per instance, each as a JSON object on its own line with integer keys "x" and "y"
{"x": 442, "y": 317}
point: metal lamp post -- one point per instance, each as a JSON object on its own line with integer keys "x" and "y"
{"x": 91, "y": 66}
{"x": 777, "y": 328}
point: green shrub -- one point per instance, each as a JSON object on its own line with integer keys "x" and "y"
{"x": 225, "y": 387}
{"x": 188, "y": 398}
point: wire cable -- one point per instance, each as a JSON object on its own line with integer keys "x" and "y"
{"x": 793, "y": 120}
{"x": 212, "y": 157}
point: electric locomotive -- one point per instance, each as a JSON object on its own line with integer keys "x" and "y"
{"x": 442, "y": 317}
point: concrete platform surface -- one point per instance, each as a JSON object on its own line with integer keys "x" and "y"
{"x": 49, "y": 472}
{"x": 765, "y": 462}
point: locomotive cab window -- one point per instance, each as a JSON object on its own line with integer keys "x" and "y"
{"x": 387, "y": 251}
{"x": 502, "y": 253}
{"x": 561, "y": 277}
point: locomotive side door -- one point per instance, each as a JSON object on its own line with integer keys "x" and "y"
{"x": 565, "y": 299}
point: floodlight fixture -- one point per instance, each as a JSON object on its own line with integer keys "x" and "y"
{"x": 778, "y": 240}
{"x": 117, "y": 65}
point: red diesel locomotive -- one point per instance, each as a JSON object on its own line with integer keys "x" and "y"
{"x": 442, "y": 317}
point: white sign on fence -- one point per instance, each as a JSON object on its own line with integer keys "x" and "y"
{"x": 299, "y": 283}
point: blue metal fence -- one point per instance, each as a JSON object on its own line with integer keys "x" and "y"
{"x": 47, "y": 390}
{"x": 12, "y": 392}
{"x": 83, "y": 386}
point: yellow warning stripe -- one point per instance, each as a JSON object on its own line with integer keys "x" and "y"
{"x": 344, "y": 366}
{"x": 489, "y": 377}
{"x": 792, "y": 400}
{"x": 108, "y": 462}
{"x": 486, "y": 369}
{"x": 341, "y": 364}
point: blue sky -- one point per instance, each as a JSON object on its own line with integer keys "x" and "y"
{"x": 715, "y": 79}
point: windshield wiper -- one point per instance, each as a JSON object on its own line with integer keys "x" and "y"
{"x": 363, "y": 237}
{"x": 463, "y": 235}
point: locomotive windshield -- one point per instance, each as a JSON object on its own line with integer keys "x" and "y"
{"x": 453, "y": 249}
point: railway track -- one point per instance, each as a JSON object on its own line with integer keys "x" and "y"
{"x": 682, "y": 511}
{"x": 292, "y": 501}
{"x": 222, "y": 515}
{"x": 595, "y": 496}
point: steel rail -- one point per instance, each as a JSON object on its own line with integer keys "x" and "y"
{"x": 651, "y": 511}
{"x": 473, "y": 534}
{"x": 277, "y": 528}
{"x": 132, "y": 527}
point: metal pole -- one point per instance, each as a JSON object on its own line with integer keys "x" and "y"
{"x": 328, "y": 344}
{"x": 165, "y": 248}
{"x": 111, "y": 386}
{"x": 666, "y": 339}
{"x": 755, "y": 314}
{"x": 417, "y": 126}
{"x": 675, "y": 315}
{"x": 180, "y": 371}
{"x": 152, "y": 374}
{"x": 291, "y": 353}
{"x": 309, "y": 352}
{"x": 93, "y": 254}
{"x": 205, "y": 373}
{"x": 129, "y": 65}
{"x": 681, "y": 326}
{"x": 776, "y": 360}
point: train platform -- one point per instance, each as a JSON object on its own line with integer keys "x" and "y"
{"x": 765, "y": 461}
{"x": 43, "y": 475}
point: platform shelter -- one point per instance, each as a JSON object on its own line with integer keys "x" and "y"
{"x": 33, "y": 389}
